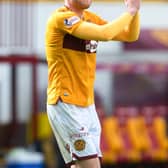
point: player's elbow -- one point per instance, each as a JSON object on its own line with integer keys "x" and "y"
{"x": 133, "y": 38}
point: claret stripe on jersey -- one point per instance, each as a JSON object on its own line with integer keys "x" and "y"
{"x": 74, "y": 43}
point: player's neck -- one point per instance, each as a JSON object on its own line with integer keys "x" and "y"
{"x": 79, "y": 12}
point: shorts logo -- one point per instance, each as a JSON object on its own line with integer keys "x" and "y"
{"x": 79, "y": 144}
{"x": 71, "y": 21}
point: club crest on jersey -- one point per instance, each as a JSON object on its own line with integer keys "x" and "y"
{"x": 71, "y": 21}
{"x": 91, "y": 46}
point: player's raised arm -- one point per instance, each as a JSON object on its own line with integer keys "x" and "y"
{"x": 132, "y": 31}
{"x": 110, "y": 30}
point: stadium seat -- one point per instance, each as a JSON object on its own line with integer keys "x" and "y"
{"x": 135, "y": 134}
{"x": 111, "y": 131}
{"x": 155, "y": 152}
{"x": 109, "y": 156}
{"x": 160, "y": 126}
{"x": 129, "y": 153}
{"x": 136, "y": 131}
{"x": 112, "y": 143}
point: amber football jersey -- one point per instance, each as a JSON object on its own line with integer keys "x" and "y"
{"x": 71, "y": 61}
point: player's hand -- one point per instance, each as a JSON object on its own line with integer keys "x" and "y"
{"x": 132, "y": 6}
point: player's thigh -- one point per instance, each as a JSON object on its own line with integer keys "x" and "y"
{"x": 88, "y": 163}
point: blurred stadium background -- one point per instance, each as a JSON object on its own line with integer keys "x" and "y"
{"x": 131, "y": 88}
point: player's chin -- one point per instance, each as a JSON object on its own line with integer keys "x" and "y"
{"x": 85, "y": 6}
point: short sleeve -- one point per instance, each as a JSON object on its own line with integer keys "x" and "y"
{"x": 67, "y": 21}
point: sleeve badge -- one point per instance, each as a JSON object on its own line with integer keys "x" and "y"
{"x": 71, "y": 21}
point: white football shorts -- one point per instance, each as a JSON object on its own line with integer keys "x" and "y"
{"x": 77, "y": 130}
